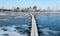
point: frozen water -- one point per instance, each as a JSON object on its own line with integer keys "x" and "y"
{"x": 11, "y": 31}
{"x": 48, "y": 26}
{"x": 48, "y": 32}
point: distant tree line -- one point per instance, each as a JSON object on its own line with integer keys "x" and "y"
{"x": 29, "y": 9}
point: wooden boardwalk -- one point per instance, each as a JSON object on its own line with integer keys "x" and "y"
{"x": 34, "y": 30}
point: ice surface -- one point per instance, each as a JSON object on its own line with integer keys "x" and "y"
{"x": 11, "y": 31}
{"x": 3, "y": 14}
{"x": 49, "y": 32}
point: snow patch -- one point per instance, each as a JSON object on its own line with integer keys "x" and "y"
{"x": 3, "y": 14}
{"x": 11, "y": 31}
{"x": 49, "y": 32}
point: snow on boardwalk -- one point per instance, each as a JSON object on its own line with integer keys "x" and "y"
{"x": 34, "y": 31}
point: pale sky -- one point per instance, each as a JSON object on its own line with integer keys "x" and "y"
{"x": 41, "y": 4}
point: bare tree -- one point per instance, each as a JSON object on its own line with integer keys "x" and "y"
{"x": 17, "y": 9}
{"x": 35, "y": 8}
